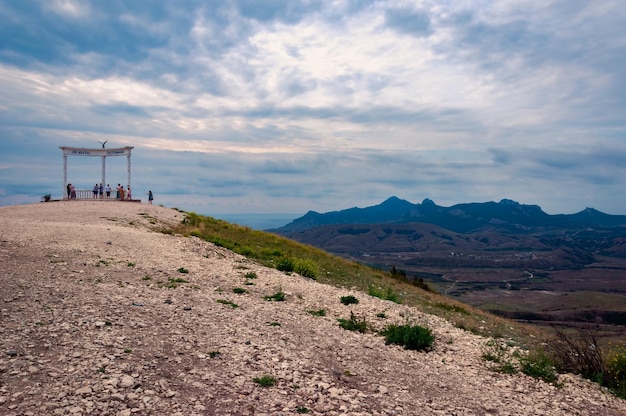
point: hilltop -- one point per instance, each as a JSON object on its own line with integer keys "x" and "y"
{"x": 105, "y": 311}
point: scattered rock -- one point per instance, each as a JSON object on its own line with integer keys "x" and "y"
{"x": 127, "y": 381}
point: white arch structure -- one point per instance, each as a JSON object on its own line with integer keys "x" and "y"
{"x": 103, "y": 153}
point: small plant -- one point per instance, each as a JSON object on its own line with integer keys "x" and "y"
{"x": 500, "y": 357}
{"x": 286, "y": 265}
{"x": 538, "y": 364}
{"x": 349, "y": 300}
{"x": 239, "y": 290}
{"x": 381, "y": 315}
{"x": 250, "y": 275}
{"x": 128, "y": 351}
{"x": 265, "y": 381}
{"x": 182, "y": 270}
{"x": 130, "y": 264}
{"x": 306, "y": 268}
{"x": 302, "y": 409}
{"x": 248, "y": 283}
{"x": 615, "y": 378}
{"x": 411, "y": 337}
{"x": 386, "y": 294}
{"x": 319, "y": 312}
{"x": 353, "y": 324}
{"x": 227, "y": 302}
{"x": 101, "y": 370}
{"x": 278, "y": 296}
{"x": 146, "y": 277}
{"x": 215, "y": 354}
{"x": 179, "y": 280}
{"x": 274, "y": 324}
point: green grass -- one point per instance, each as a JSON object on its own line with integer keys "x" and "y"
{"x": 265, "y": 381}
{"x": 412, "y": 337}
{"x": 227, "y": 302}
{"x": 349, "y": 300}
{"x": 277, "y": 252}
{"x": 274, "y": 251}
{"x": 387, "y": 293}
{"x": 353, "y": 323}
{"x": 277, "y": 297}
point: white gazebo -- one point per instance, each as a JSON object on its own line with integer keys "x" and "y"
{"x": 101, "y": 152}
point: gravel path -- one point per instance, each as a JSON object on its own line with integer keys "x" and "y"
{"x": 88, "y": 325}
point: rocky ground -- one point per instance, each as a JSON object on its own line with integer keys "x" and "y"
{"x": 94, "y": 319}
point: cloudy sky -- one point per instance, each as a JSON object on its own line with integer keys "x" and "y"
{"x": 285, "y": 106}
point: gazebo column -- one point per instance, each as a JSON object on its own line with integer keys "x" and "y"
{"x": 104, "y": 170}
{"x": 65, "y": 196}
{"x": 128, "y": 168}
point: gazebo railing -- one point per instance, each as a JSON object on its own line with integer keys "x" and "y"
{"x": 88, "y": 194}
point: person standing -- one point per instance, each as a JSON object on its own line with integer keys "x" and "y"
{"x": 121, "y": 193}
{"x": 150, "y": 197}
{"x": 117, "y": 194}
{"x": 72, "y": 191}
{"x": 128, "y": 194}
{"x": 69, "y": 190}
{"x": 95, "y": 191}
{"x": 101, "y": 191}
{"x": 108, "y": 191}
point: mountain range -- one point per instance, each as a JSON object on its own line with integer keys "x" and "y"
{"x": 509, "y": 258}
{"x": 506, "y": 216}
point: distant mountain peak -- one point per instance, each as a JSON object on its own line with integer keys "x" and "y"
{"x": 394, "y": 200}
{"x": 508, "y": 202}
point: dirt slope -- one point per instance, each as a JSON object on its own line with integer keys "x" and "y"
{"x": 87, "y": 327}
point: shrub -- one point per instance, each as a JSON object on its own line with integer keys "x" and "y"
{"x": 286, "y": 265}
{"x": 616, "y": 372}
{"x": 306, "y": 268}
{"x": 353, "y": 324}
{"x": 278, "y": 296}
{"x": 349, "y": 300}
{"x": 250, "y": 275}
{"x": 239, "y": 290}
{"x": 538, "y": 364}
{"x": 182, "y": 270}
{"x": 265, "y": 381}
{"x": 320, "y": 312}
{"x": 579, "y": 354}
{"x": 411, "y": 337}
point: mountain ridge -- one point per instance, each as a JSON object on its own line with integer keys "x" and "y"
{"x": 506, "y": 216}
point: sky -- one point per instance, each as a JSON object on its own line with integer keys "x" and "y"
{"x": 285, "y": 106}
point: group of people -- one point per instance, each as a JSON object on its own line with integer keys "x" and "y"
{"x": 99, "y": 191}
